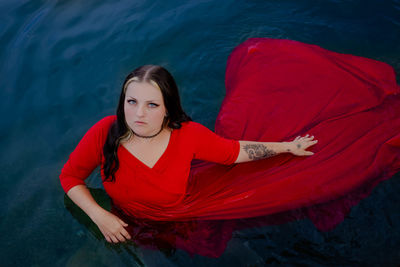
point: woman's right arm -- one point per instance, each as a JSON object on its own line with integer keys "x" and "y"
{"x": 81, "y": 163}
{"x": 110, "y": 225}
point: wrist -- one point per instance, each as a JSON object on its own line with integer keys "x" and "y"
{"x": 287, "y": 147}
{"x": 96, "y": 212}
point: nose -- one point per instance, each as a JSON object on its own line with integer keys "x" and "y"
{"x": 140, "y": 111}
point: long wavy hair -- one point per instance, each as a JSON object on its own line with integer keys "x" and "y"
{"x": 120, "y": 131}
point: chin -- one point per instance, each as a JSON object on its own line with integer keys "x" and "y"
{"x": 139, "y": 130}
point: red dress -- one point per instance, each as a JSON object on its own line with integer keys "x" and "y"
{"x": 140, "y": 190}
{"x": 275, "y": 91}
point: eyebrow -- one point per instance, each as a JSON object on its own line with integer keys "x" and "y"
{"x": 146, "y": 100}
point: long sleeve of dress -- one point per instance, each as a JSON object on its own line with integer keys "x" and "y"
{"x": 86, "y": 156}
{"x": 211, "y": 147}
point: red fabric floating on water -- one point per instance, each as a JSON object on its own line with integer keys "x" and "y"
{"x": 279, "y": 89}
{"x": 275, "y": 91}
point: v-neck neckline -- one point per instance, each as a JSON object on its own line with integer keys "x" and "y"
{"x": 159, "y": 160}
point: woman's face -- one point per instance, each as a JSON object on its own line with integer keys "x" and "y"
{"x": 144, "y": 108}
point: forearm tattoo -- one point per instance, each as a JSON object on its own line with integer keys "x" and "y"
{"x": 258, "y": 151}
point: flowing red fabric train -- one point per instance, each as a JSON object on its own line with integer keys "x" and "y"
{"x": 277, "y": 90}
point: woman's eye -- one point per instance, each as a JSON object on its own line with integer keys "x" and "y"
{"x": 131, "y": 101}
{"x": 152, "y": 105}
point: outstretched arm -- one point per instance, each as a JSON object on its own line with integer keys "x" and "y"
{"x": 250, "y": 151}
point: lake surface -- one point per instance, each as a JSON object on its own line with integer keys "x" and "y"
{"x": 62, "y": 64}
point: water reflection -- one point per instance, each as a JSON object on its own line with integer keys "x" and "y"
{"x": 197, "y": 237}
{"x": 207, "y": 238}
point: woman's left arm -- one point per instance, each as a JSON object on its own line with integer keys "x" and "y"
{"x": 250, "y": 151}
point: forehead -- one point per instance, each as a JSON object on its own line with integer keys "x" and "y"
{"x": 143, "y": 90}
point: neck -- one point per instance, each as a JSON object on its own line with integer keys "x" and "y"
{"x": 149, "y": 136}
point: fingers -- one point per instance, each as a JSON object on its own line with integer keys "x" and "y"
{"x": 307, "y": 138}
{"x": 304, "y": 153}
{"x": 310, "y": 143}
{"x": 122, "y": 222}
{"x": 114, "y": 239}
{"x": 119, "y": 235}
{"x": 111, "y": 238}
{"x": 108, "y": 238}
{"x": 125, "y": 234}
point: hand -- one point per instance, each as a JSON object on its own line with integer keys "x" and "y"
{"x": 111, "y": 227}
{"x": 299, "y": 145}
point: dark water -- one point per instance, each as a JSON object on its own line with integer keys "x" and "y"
{"x": 61, "y": 67}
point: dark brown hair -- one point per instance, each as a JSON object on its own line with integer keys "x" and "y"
{"x": 119, "y": 130}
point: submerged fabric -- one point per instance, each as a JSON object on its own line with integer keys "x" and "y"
{"x": 138, "y": 187}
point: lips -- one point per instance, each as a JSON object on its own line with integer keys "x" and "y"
{"x": 140, "y": 122}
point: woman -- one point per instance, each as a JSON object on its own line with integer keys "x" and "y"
{"x": 146, "y": 151}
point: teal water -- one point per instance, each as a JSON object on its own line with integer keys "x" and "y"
{"x": 61, "y": 67}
